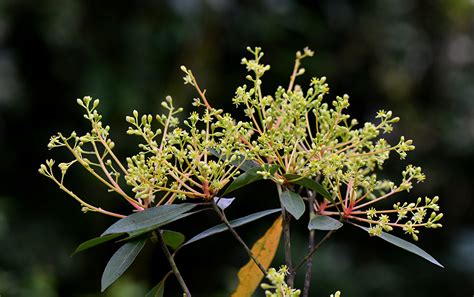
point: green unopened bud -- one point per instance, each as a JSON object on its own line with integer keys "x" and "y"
{"x": 266, "y": 286}
{"x": 43, "y": 169}
{"x": 144, "y": 119}
{"x": 63, "y": 167}
{"x": 395, "y": 120}
{"x": 308, "y": 52}
{"x": 87, "y": 100}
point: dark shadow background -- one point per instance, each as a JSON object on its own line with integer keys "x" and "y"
{"x": 413, "y": 57}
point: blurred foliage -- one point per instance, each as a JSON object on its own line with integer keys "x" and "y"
{"x": 413, "y": 57}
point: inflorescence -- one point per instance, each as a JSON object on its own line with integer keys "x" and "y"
{"x": 298, "y": 130}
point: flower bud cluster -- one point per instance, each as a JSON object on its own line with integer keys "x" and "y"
{"x": 306, "y": 135}
{"x": 175, "y": 161}
{"x": 278, "y": 286}
{"x": 408, "y": 216}
{"x": 298, "y": 131}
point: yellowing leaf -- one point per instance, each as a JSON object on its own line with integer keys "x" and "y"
{"x": 264, "y": 250}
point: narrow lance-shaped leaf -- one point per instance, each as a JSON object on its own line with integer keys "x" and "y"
{"x": 140, "y": 232}
{"x": 264, "y": 250}
{"x": 310, "y": 184}
{"x": 406, "y": 246}
{"x": 94, "y": 242}
{"x": 293, "y": 203}
{"x": 234, "y": 223}
{"x": 149, "y": 218}
{"x": 120, "y": 261}
{"x": 249, "y": 177}
{"x": 324, "y": 223}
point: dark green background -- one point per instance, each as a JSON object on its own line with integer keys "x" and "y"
{"x": 415, "y": 58}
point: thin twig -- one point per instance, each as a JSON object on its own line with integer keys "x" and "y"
{"x": 294, "y": 74}
{"x": 290, "y": 278}
{"x": 174, "y": 267}
{"x": 239, "y": 239}
{"x": 311, "y": 242}
{"x": 316, "y": 247}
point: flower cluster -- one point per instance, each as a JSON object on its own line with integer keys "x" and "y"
{"x": 409, "y": 216}
{"x": 174, "y": 162}
{"x": 177, "y": 162}
{"x": 294, "y": 137}
{"x": 278, "y": 286}
{"x": 297, "y": 130}
{"x": 305, "y": 135}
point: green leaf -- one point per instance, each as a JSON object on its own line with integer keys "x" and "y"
{"x": 406, "y": 246}
{"x": 310, "y": 184}
{"x": 172, "y": 238}
{"x": 239, "y": 162}
{"x": 159, "y": 289}
{"x": 120, "y": 261}
{"x": 149, "y": 219}
{"x": 248, "y": 177}
{"x": 324, "y": 223}
{"x": 94, "y": 242}
{"x": 234, "y": 223}
{"x": 293, "y": 203}
{"x": 137, "y": 233}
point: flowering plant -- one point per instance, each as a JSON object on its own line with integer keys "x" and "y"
{"x": 320, "y": 159}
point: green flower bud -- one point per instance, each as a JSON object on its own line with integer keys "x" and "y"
{"x": 266, "y": 286}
